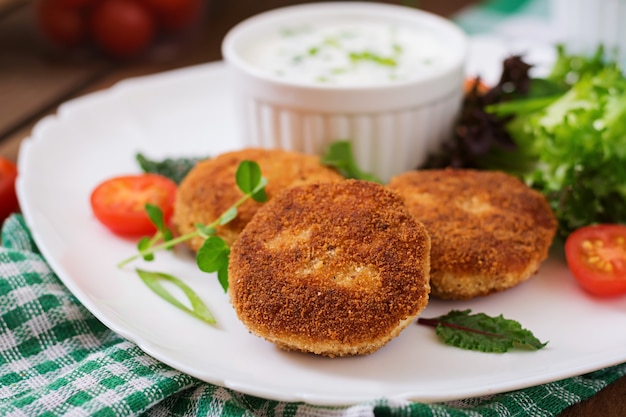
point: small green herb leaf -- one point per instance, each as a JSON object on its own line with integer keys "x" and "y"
{"x": 156, "y": 216}
{"x": 213, "y": 254}
{"x": 248, "y": 176}
{"x": 198, "y": 308}
{"x": 144, "y": 244}
{"x": 482, "y": 332}
{"x": 259, "y": 194}
{"x": 339, "y": 156}
{"x": 222, "y": 276}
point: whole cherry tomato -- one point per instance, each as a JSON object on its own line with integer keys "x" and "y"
{"x": 119, "y": 203}
{"x": 596, "y": 256}
{"x": 8, "y": 198}
{"x": 60, "y": 23}
{"x": 122, "y": 28}
{"x": 175, "y": 15}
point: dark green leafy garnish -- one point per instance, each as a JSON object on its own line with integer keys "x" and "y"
{"x": 339, "y": 156}
{"x": 173, "y": 168}
{"x": 482, "y": 332}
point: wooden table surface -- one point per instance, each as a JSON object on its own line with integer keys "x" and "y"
{"x": 34, "y": 81}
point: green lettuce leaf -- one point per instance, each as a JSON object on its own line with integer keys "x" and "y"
{"x": 572, "y": 147}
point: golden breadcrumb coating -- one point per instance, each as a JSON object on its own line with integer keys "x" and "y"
{"x": 335, "y": 269}
{"x": 210, "y": 188}
{"x": 489, "y": 230}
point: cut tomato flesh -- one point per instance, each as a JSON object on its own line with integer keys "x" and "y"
{"x": 596, "y": 256}
{"x": 119, "y": 203}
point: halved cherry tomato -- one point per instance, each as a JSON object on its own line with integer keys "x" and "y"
{"x": 596, "y": 255}
{"x": 119, "y": 203}
{"x": 8, "y": 198}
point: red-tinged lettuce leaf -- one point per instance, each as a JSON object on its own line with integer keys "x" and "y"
{"x": 482, "y": 332}
{"x": 477, "y": 131}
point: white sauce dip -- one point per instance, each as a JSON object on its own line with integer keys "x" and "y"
{"x": 353, "y": 52}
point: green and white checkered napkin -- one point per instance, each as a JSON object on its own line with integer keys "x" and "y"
{"x": 58, "y": 359}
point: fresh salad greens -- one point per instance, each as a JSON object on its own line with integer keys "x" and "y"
{"x": 563, "y": 134}
{"x": 482, "y": 332}
{"x": 572, "y": 145}
{"x": 569, "y": 68}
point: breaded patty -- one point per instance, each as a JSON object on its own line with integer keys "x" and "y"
{"x": 335, "y": 269}
{"x": 489, "y": 230}
{"x": 210, "y": 188}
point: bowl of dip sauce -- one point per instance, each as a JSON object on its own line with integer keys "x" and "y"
{"x": 387, "y": 78}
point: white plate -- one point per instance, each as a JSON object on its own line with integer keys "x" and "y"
{"x": 188, "y": 113}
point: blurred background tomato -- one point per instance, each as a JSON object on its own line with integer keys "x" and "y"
{"x": 119, "y": 29}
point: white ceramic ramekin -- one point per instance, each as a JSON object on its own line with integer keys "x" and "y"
{"x": 392, "y": 126}
{"x": 583, "y": 25}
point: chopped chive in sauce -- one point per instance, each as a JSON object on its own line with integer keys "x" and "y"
{"x": 372, "y": 57}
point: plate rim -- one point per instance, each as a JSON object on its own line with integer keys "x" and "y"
{"x": 154, "y": 80}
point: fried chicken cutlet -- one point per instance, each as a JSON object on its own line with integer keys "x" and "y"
{"x": 210, "y": 188}
{"x": 334, "y": 269}
{"x": 489, "y": 230}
